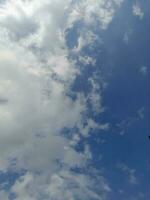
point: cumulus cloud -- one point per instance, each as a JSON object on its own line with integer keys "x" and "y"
{"x": 36, "y": 106}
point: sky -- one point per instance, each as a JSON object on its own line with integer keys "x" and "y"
{"x": 74, "y": 99}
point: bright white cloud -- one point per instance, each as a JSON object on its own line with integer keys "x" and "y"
{"x": 35, "y": 105}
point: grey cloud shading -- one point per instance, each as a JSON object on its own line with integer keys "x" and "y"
{"x": 39, "y": 103}
{"x": 3, "y": 100}
{"x": 19, "y": 28}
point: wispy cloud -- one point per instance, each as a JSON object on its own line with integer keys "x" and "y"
{"x": 131, "y": 173}
{"x": 144, "y": 70}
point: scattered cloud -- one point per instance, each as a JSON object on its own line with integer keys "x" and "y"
{"x": 137, "y": 11}
{"x": 101, "y": 11}
{"x": 131, "y": 173}
{"x": 141, "y": 112}
{"x": 35, "y": 99}
{"x": 127, "y": 36}
{"x": 144, "y": 70}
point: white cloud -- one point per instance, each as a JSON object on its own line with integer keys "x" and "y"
{"x": 86, "y": 38}
{"x": 92, "y": 125}
{"x": 4, "y": 195}
{"x": 35, "y": 79}
{"x": 29, "y": 112}
{"x": 103, "y": 10}
{"x": 95, "y": 96}
{"x": 38, "y": 107}
{"x": 63, "y": 185}
{"x": 137, "y": 11}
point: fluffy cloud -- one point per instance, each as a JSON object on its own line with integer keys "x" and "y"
{"x": 35, "y": 98}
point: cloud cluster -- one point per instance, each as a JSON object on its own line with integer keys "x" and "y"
{"x": 35, "y": 98}
{"x": 137, "y": 11}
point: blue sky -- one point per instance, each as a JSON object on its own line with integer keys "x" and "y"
{"x": 74, "y": 100}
